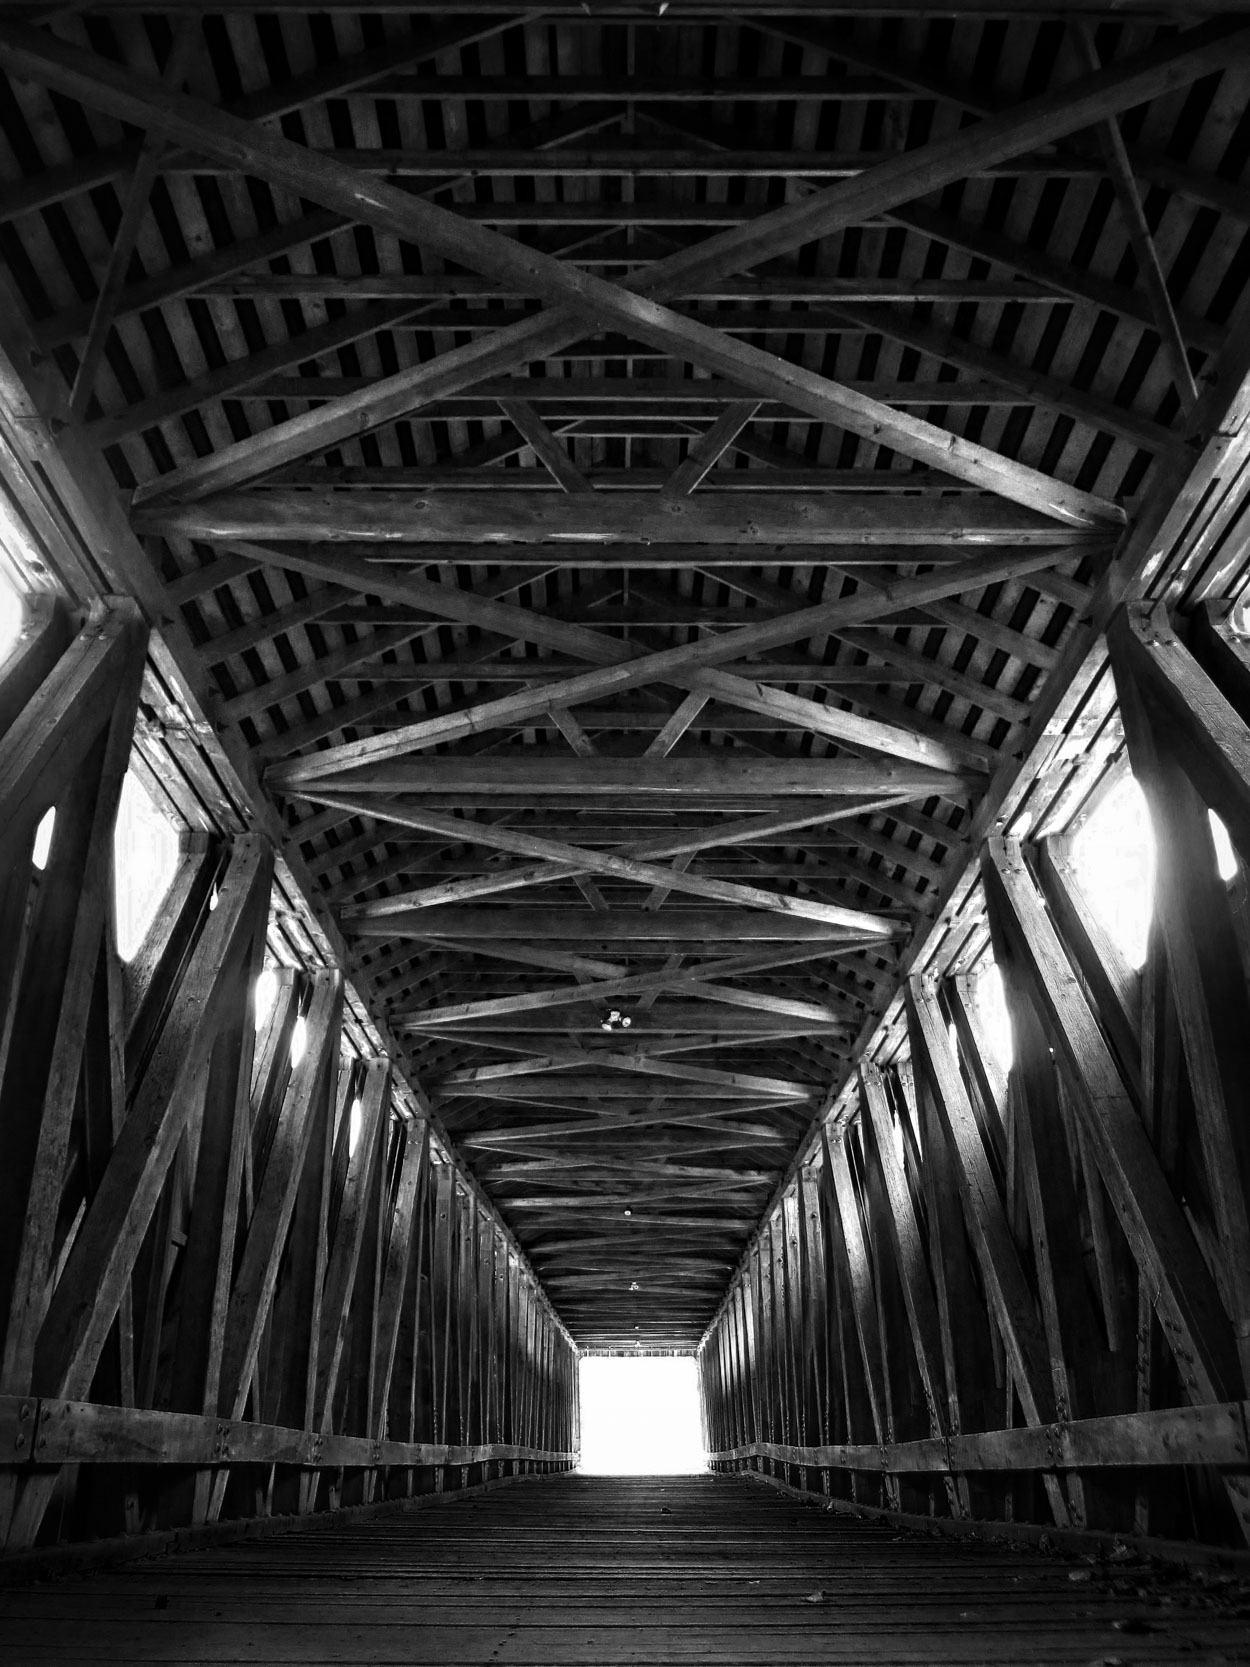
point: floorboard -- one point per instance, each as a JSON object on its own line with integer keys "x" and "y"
{"x": 622, "y": 1570}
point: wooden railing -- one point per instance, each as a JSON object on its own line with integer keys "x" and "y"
{"x": 1214, "y": 1435}
{"x": 38, "y": 1432}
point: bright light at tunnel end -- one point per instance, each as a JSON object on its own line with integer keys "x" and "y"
{"x": 640, "y": 1417}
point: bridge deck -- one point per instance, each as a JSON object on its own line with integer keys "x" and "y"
{"x": 582, "y": 1569}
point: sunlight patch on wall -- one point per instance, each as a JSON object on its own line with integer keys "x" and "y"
{"x": 991, "y": 1000}
{"x": 640, "y": 1417}
{"x": 299, "y": 1040}
{"x": 145, "y": 859}
{"x": 12, "y": 617}
{"x": 1114, "y": 858}
{"x": 265, "y": 994}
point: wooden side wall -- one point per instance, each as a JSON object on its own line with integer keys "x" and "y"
{"x": 1025, "y": 1297}
{"x": 234, "y": 1281}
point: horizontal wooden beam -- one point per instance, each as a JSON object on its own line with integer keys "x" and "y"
{"x": 1214, "y": 1434}
{"x": 474, "y": 1077}
{"x": 592, "y": 1087}
{"x": 689, "y": 1019}
{"x": 781, "y": 471}
{"x": 569, "y": 399}
{"x": 68, "y": 1432}
{"x": 276, "y": 514}
{"x": 785, "y": 471}
{"x": 741, "y": 290}
{"x": 653, "y": 89}
{"x": 688, "y": 1122}
{"x": 538, "y": 925}
{"x": 662, "y": 781}
{"x": 719, "y": 718}
{"x": 622, "y": 160}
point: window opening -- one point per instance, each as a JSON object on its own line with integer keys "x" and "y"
{"x": 145, "y": 860}
{"x": 1225, "y": 855}
{"x": 1114, "y": 859}
{"x": 640, "y": 1415}
{"x": 43, "y": 839}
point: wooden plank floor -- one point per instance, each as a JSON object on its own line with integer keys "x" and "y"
{"x": 603, "y": 1570}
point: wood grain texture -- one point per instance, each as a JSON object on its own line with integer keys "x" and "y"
{"x": 646, "y": 1570}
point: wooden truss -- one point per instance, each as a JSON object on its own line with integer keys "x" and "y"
{"x": 218, "y": 1258}
{"x": 1041, "y": 1279}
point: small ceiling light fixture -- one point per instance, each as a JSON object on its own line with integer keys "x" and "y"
{"x": 629, "y": 1212}
{"x": 614, "y": 1019}
{"x": 634, "y": 1285}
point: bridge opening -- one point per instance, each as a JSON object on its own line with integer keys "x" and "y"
{"x": 640, "y": 1415}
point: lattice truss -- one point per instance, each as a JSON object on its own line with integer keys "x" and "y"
{"x": 626, "y": 483}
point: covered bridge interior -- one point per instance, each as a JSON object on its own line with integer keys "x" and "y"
{"x": 448, "y": 927}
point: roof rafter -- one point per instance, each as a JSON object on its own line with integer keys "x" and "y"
{"x": 184, "y": 120}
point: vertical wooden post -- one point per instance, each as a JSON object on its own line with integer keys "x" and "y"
{"x": 860, "y": 1409}
{"x": 811, "y": 1244}
{"x": 862, "y": 1292}
{"x": 1013, "y": 1304}
{"x": 207, "y": 1260}
{"x": 908, "y": 1249}
{"x": 396, "y": 1350}
{"x": 349, "y": 1237}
